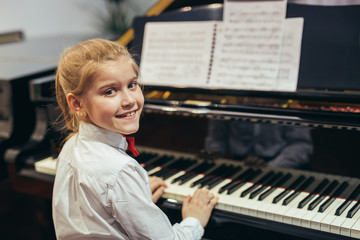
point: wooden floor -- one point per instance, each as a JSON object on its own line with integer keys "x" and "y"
{"x": 24, "y": 216}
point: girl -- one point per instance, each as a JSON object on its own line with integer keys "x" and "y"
{"x": 100, "y": 192}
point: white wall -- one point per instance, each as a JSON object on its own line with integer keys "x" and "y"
{"x": 52, "y": 17}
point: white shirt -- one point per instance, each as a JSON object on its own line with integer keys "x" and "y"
{"x": 102, "y": 193}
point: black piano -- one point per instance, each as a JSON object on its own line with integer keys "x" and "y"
{"x": 318, "y": 199}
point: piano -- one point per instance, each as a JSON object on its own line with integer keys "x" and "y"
{"x": 320, "y": 200}
{"x": 17, "y": 69}
{"x": 25, "y": 118}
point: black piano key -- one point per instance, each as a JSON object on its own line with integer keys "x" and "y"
{"x": 250, "y": 177}
{"x": 280, "y": 196}
{"x": 229, "y": 185}
{"x": 355, "y": 194}
{"x": 186, "y": 177}
{"x": 302, "y": 187}
{"x": 347, "y": 202}
{"x": 238, "y": 179}
{"x": 326, "y": 204}
{"x": 306, "y": 200}
{"x": 342, "y": 207}
{"x": 279, "y": 183}
{"x": 231, "y": 171}
{"x": 167, "y": 169}
{"x": 218, "y": 175}
{"x": 160, "y": 172}
{"x": 248, "y": 190}
{"x": 255, "y": 185}
{"x": 181, "y": 164}
{"x": 340, "y": 189}
{"x": 283, "y": 180}
{"x": 158, "y": 163}
{"x": 292, "y": 186}
{"x": 202, "y": 167}
{"x": 337, "y": 193}
{"x": 235, "y": 187}
{"x": 296, "y": 183}
{"x": 353, "y": 210}
{"x": 318, "y": 189}
{"x": 290, "y": 198}
{"x": 327, "y": 191}
{"x": 316, "y": 202}
{"x": 209, "y": 176}
{"x": 169, "y": 174}
{"x": 258, "y": 191}
{"x": 177, "y": 166}
{"x": 203, "y": 181}
{"x": 215, "y": 181}
{"x": 266, "y": 194}
{"x": 145, "y": 157}
{"x": 266, "y": 184}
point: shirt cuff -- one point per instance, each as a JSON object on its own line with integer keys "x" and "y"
{"x": 194, "y": 223}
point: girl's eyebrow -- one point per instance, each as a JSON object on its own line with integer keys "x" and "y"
{"x": 110, "y": 83}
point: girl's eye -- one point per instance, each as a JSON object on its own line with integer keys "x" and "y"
{"x": 109, "y": 92}
{"x": 132, "y": 85}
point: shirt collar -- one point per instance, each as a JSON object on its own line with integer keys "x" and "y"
{"x": 103, "y": 135}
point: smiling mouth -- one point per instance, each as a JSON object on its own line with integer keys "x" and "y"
{"x": 126, "y": 114}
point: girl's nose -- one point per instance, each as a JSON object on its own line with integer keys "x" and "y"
{"x": 127, "y": 99}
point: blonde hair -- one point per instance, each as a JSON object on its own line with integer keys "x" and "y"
{"x": 78, "y": 67}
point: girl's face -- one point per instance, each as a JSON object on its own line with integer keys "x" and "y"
{"x": 114, "y": 100}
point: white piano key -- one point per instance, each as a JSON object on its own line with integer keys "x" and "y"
{"x": 289, "y": 212}
{"x": 215, "y": 190}
{"x": 338, "y": 220}
{"x": 178, "y": 174}
{"x": 266, "y": 209}
{"x": 346, "y": 226}
{"x": 310, "y": 214}
{"x": 267, "y": 204}
{"x": 326, "y": 222}
{"x": 255, "y": 204}
{"x": 224, "y": 202}
{"x": 179, "y": 192}
{"x": 274, "y": 212}
{"x": 328, "y": 213}
{"x": 355, "y": 229}
{"x": 156, "y": 169}
{"x": 239, "y": 203}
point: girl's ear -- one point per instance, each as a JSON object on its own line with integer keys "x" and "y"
{"x": 73, "y": 102}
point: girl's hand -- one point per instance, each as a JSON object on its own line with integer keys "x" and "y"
{"x": 157, "y": 187}
{"x": 199, "y": 206}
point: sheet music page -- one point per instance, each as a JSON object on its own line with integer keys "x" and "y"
{"x": 177, "y": 53}
{"x": 248, "y": 45}
{"x": 290, "y": 54}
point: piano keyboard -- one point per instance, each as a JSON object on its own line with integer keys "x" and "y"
{"x": 316, "y": 201}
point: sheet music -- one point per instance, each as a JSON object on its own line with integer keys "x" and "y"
{"x": 177, "y": 53}
{"x": 290, "y": 54}
{"x": 248, "y": 46}
{"x": 255, "y": 48}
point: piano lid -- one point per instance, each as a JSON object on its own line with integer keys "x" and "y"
{"x": 328, "y": 88}
{"x": 330, "y": 56}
